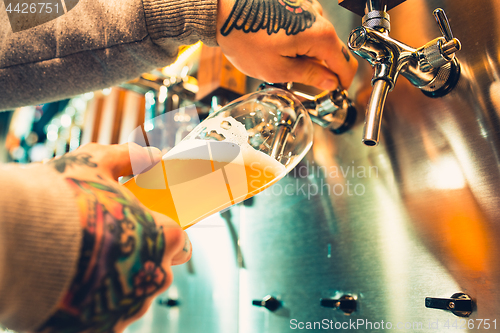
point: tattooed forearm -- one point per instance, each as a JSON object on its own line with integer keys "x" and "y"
{"x": 69, "y": 160}
{"x": 120, "y": 262}
{"x": 293, "y": 16}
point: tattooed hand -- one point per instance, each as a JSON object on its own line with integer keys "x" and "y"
{"x": 282, "y": 41}
{"x": 126, "y": 249}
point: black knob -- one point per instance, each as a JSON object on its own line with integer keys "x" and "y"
{"x": 168, "y": 302}
{"x": 459, "y": 304}
{"x": 269, "y": 302}
{"x": 349, "y": 120}
{"x": 345, "y": 303}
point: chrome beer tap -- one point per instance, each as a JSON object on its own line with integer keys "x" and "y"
{"x": 432, "y": 68}
{"x": 332, "y": 110}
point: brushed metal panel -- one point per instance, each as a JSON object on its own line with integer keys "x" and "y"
{"x": 426, "y": 226}
{"x": 302, "y": 249}
{"x": 206, "y": 287}
{"x": 446, "y": 149}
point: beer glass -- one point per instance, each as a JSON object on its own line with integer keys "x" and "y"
{"x": 236, "y": 152}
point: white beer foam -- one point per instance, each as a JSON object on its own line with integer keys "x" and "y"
{"x": 185, "y": 151}
{"x": 232, "y": 130}
{"x": 235, "y": 133}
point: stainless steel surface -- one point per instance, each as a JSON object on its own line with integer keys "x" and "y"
{"x": 418, "y": 217}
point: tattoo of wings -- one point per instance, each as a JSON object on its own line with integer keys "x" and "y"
{"x": 293, "y": 16}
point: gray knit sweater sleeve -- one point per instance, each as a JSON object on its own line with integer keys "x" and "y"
{"x": 40, "y": 238}
{"x": 97, "y": 44}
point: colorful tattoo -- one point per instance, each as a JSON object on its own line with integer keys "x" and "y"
{"x": 120, "y": 263}
{"x": 346, "y": 54}
{"x": 68, "y": 160}
{"x": 293, "y": 16}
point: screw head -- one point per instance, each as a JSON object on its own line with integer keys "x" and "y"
{"x": 357, "y": 38}
{"x": 451, "y": 305}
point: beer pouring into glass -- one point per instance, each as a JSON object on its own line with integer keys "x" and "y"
{"x": 235, "y": 153}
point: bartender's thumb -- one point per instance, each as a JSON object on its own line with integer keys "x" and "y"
{"x": 178, "y": 246}
{"x": 128, "y": 159}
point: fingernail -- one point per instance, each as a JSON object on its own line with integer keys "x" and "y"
{"x": 329, "y": 84}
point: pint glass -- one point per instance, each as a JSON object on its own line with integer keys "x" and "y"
{"x": 233, "y": 154}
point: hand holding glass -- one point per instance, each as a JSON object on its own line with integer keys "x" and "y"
{"x": 232, "y": 155}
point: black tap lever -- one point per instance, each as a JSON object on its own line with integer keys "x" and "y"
{"x": 459, "y": 304}
{"x": 346, "y": 303}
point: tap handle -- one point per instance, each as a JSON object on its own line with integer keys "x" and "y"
{"x": 269, "y": 302}
{"x": 346, "y": 303}
{"x": 437, "y": 52}
{"x": 443, "y": 24}
{"x": 459, "y": 304}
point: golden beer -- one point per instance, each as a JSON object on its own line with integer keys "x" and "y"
{"x": 200, "y": 187}
{"x": 233, "y": 154}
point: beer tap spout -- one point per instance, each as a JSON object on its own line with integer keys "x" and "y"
{"x": 374, "y": 112}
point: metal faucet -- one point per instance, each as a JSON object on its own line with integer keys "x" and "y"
{"x": 332, "y": 110}
{"x": 431, "y": 68}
